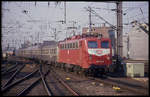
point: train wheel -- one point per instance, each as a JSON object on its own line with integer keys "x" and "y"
{"x": 76, "y": 70}
{"x": 82, "y": 72}
{"x": 67, "y": 70}
{"x": 86, "y": 72}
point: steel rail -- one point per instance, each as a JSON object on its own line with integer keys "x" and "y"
{"x": 45, "y": 84}
{"x": 4, "y": 72}
{"x": 11, "y": 71}
{"x": 12, "y": 77}
{"x": 18, "y": 81}
{"x": 113, "y": 83}
{"x": 28, "y": 88}
{"x": 65, "y": 85}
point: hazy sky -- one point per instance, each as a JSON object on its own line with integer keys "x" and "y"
{"x": 18, "y": 18}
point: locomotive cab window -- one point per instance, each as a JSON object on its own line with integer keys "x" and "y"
{"x": 105, "y": 44}
{"x": 92, "y": 44}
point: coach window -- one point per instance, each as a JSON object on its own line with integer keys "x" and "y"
{"x": 54, "y": 51}
{"x": 50, "y": 51}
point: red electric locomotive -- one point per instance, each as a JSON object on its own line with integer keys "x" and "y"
{"x": 89, "y": 54}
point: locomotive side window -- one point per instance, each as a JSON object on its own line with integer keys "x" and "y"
{"x": 62, "y": 46}
{"x": 76, "y": 44}
{"x": 73, "y": 45}
{"x": 92, "y": 44}
{"x": 69, "y": 45}
{"x": 80, "y": 44}
{"x": 105, "y": 44}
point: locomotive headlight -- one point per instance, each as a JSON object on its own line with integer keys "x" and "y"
{"x": 108, "y": 58}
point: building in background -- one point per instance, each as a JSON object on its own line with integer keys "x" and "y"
{"x": 137, "y": 42}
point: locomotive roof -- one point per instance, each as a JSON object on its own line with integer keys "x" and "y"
{"x": 78, "y": 38}
{"x": 50, "y": 46}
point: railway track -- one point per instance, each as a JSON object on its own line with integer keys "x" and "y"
{"x": 13, "y": 76}
{"x": 48, "y": 87}
{"x": 6, "y": 70}
{"x": 125, "y": 84}
{"x": 65, "y": 84}
{"x": 138, "y": 89}
{"x": 16, "y": 82}
{"x": 55, "y": 86}
{"x": 24, "y": 85}
{"x": 41, "y": 77}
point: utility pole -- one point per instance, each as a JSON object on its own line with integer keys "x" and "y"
{"x": 73, "y": 26}
{"x": 48, "y": 3}
{"x": 90, "y": 21}
{"x": 55, "y": 34}
{"x": 35, "y": 3}
{"x": 65, "y": 12}
{"x": 31, "y": 45}
{"x": 128, "y": 46}
{"x": 119, "y": 67}
{"x": 119, "y": 28}
{"x": 65, "y": 21}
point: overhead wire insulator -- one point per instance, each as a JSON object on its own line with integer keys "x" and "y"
{"x": 48, "y": 4}
{"x": 35, "y": 3}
